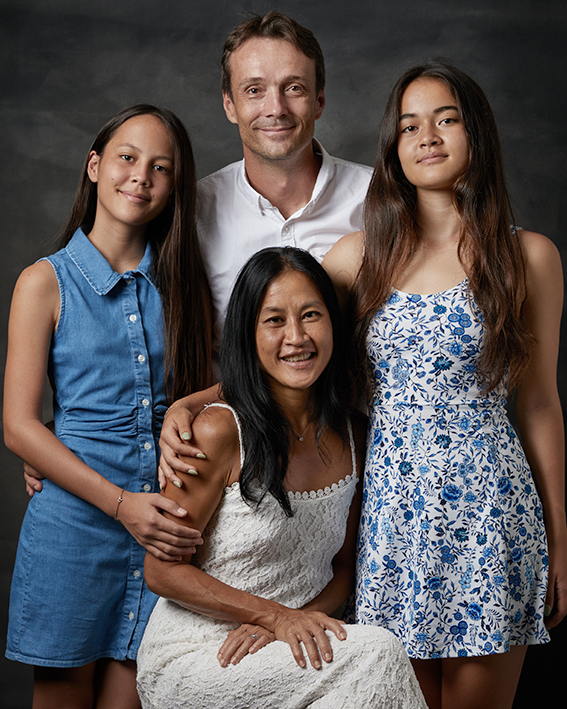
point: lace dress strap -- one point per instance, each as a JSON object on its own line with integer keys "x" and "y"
{"x": 238, "y": 426}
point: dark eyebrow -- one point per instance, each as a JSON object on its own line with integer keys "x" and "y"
{"x": 136, "y": 148}
{"x": 305, "y": 306}
{"x": 437, "y": 110}
{"x": 260, "y": 79}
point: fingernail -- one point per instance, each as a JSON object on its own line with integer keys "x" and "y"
{"x": 328, "y": 656}
{"x": 202, "y": 456}
{"x": 177, "y": 483}
{"x": 181, "y": 511}
{"x": 160, "y": 486}
{"x": 192, "y": 471}
{"x": 186, "y": 436}
{"x": 547, "y": 610}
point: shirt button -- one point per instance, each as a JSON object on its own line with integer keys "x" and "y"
{"x": 133, "y": 318}
{"x": 147, "y": 446}
{"x": 145, "y": 402}
{"x": 131, "y": 615}
{"x": 147, "y": 487}
{"x": 137, "y": 574}
{"x": 141, "y": 358}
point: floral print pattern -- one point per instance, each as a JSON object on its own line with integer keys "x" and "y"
{"x": 452, "y": 551}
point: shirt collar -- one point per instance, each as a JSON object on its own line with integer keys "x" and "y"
{"x": 96, "y": 269}
{"x": 325, "y": 175}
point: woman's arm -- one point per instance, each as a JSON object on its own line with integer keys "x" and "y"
{"x": 342, "y": 263}
{"x": 538, "y": 408}
{"x": 344, "y": 563}
{"x": 33, "y": 320}
{"x": 182, "y": 582}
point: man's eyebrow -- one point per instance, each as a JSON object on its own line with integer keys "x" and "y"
{"x": 436, "y": 110}
{"x": 250, "y": 80}
{"x": 260, "y": 79}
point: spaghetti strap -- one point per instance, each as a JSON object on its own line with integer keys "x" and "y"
{"x": 220, "y": 405}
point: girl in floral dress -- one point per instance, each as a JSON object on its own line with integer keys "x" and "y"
{"x": 463, "y": 543}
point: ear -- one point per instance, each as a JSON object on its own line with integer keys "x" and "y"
{"x": 229, "y": 109}
{"x": 92, "y": 166}
{"x": 320, "y": 104}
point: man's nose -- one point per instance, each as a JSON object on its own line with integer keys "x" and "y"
{"x": 275, "y": 103}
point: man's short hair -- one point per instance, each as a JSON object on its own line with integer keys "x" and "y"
{"x": 274, "y": 25}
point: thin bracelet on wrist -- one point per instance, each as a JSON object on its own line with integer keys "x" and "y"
{"x": 120, "y": 498}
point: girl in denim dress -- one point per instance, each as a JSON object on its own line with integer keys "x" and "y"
{"x": 119, "y": 319}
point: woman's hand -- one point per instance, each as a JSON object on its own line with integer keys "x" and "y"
{"x": 174, "y": 442}
{"x": 141, "y": 514}
{"x": 556, "y": 599}
{"x": 308, "y": 627}
{"x": 245, "y": 640}
{"x": 32, "y": 476}
{"x": 32, "y": 479}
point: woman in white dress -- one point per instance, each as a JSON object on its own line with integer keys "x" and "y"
{"x": 247, "y": 622}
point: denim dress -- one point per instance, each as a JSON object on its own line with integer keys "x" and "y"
{"x": 78, "y": 592}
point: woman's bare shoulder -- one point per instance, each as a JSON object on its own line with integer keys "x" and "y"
{"x": 542, "y": 257}
{"x": 36, "y": 297}
{"x": 342, "y": 263}
{"x": 215, "y": 431}
{"x": 39, "y": 279}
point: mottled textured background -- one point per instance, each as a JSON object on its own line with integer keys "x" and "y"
{"x": 68, "y": 65}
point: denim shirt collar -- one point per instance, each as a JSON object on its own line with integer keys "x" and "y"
{"x": 96, "y": 269}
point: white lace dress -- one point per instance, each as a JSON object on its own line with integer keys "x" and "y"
{"x": 287, "y": 560}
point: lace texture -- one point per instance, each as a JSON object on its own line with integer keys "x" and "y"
{"x": 289, "y": 560}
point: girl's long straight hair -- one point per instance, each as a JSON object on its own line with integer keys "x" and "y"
{"x": 488, "y": 248}
{"x": 266, "y": 431}
{"x": 177, "y": 262}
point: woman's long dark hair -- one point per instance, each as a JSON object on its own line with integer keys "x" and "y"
{"x": 266, "y": 431}
{"x": 489, "y": 250}
{"x": 177, "y": 262}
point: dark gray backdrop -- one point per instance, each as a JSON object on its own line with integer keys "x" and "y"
{"x": 68, "y": 65}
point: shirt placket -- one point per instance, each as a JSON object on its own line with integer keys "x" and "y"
{"x": 144, "y": 441}
{"x": 288, "y": 233}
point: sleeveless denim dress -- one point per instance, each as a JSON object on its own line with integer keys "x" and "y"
{"x": 78, "y": 592}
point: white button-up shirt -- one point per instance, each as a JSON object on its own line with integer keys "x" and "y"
{"x": 235, "y": 221}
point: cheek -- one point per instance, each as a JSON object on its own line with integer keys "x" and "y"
{"x": 264, "y": 350}
{"x": 325, "y": 344}
{"x": 403, "y": 158}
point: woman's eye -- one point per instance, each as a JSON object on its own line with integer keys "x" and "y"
{"x": 127, "y": 158}
{"x": 408, "y": 129}
{"x": 160, "y": 168}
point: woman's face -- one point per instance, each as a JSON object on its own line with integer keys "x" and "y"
{"x": 134, "y": 174}
{"x": 432, "y": 144}
{"x": 294, "y": 335}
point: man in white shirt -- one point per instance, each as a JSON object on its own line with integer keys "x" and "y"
{"x": 287, "y": 190}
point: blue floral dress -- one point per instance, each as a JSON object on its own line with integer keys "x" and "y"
{"x": 452, "y": 550}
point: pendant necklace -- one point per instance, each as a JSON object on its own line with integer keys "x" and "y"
{"x": 300, "y": 436}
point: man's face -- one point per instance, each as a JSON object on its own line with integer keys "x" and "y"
{"x": 274, "y": 101}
